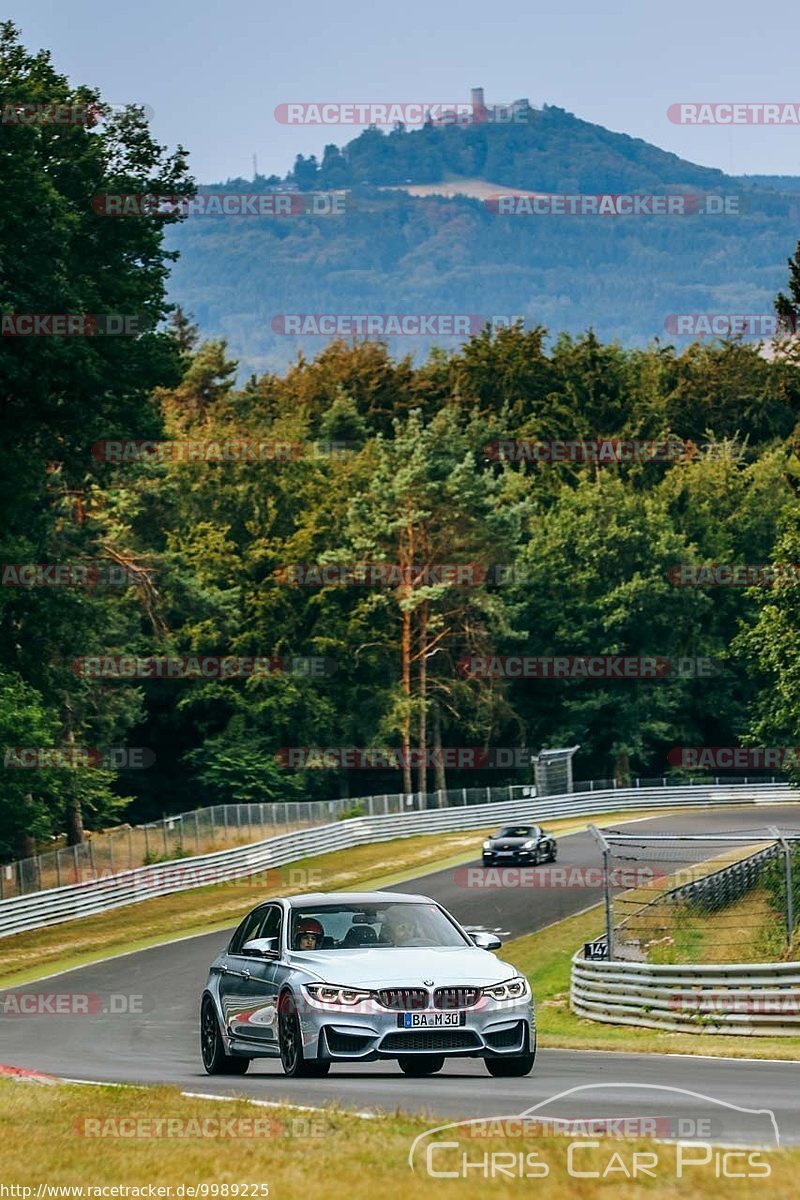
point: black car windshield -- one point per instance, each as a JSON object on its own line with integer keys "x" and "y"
{"x": 528, "y": 831}
{"x": 360, "y": 926}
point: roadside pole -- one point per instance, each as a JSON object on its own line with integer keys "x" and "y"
{"x": 604, "y": 846}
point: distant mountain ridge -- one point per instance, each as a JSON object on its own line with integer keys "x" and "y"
{"x": 393, "y": 252}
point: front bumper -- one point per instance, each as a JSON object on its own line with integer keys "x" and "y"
{"x": 491, "y": 1029}
{"x": 508, "y": 858}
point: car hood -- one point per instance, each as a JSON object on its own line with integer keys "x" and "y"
{"x": 394, "y": 967}
{"x": 511, "y": 843}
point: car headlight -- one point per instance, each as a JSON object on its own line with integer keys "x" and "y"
{"x": 330, "y": 993}
{"x": 529, "y": 845}
{"x": 487, "y": 845}
{"x": 513, "y": 989}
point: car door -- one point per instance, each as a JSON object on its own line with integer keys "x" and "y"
{"x": 254, "y": 1016}
{"x": 232, "y": 967}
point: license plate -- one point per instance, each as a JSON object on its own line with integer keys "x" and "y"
{"x": 424, "y": 1020}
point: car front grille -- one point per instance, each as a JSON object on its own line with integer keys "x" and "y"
{"x": 419, "y": 1039}
{"x": 408, "y": 999}
{"x": 456, "y": 997}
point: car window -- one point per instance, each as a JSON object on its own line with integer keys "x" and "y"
{"x": 271, "y": 925}
{"x": 515, "y": 831}
{"x": 247, "y": 930}
{"x": 352, "y": 926}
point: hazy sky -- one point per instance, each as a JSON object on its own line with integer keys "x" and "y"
{"x": 214, "y": 72}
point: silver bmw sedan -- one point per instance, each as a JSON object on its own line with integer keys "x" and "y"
{"x": 359, "y": 976}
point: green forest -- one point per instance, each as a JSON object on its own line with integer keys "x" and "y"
{"x": 391, "y": 462}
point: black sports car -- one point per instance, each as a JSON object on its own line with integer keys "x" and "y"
{"x": 519, "y": 844}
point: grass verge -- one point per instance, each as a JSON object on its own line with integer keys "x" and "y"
{"x": 43, "y": 1140}
{"x": 545, "y": 957}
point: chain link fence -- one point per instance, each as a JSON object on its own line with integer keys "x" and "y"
{"x": 222, "y": 826}
{"x": 695, "y": 898}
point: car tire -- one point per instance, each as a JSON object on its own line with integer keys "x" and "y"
{"x": 290, "y": 1043}
{"x": 212, "y": 1047}
{"x": 420, "y": 1064}
{"x": 553, "y": 851}
{"x": 507, "y": 1068}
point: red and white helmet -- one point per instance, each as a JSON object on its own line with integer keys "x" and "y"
{"x": 309, "y": 925}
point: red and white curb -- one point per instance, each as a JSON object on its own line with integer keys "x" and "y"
{"x": 20, "y": 1075}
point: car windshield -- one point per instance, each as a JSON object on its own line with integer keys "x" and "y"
{"x": 360, "y": 926}
{"x": 519, "y": 831}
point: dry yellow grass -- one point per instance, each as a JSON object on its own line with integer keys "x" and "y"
{"x": 43, "y": 1141}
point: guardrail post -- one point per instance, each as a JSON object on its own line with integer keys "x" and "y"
{"x": 787, "y": 864}
{"x": 597, "y": 835}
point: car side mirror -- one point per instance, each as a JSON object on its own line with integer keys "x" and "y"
{"x": 260, "y": 948}
{"x": 486, "y": 941}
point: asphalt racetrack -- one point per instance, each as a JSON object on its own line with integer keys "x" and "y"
{"x": 159, "y": 1043}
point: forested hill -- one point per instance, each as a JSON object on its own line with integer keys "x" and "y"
{"x": 393, "y": 252}
{"x": 551, "y": 151}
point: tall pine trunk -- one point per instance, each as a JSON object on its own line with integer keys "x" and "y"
{"x": 422, "y": 766}
{"x": 438, "y": 762}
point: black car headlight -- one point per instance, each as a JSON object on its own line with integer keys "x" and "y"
{"x": 514, "y": 989}
{"x": 331, "y": 993}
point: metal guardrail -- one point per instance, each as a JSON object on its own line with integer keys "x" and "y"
{"x": 119, "y": 888}
{"x": 205, "y": 830}
{"x": 758, "y": 999}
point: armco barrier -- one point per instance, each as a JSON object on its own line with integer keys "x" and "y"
{"x": 56, "y": 905}
{"x": 758, "y": 999}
